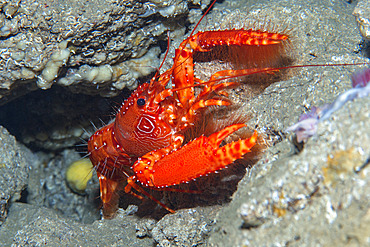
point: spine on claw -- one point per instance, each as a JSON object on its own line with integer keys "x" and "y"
{"x": 204, "y": 41}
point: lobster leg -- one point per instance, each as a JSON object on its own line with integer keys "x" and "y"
{"x": 110, "y": 163}
{"x": 195, "y": 159}
{"x": 108, "y": 195}
{"x": 132, "y": 185}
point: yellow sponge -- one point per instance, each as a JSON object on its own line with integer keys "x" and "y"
{"x": 78, "y": 174}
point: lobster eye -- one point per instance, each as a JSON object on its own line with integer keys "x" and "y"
{"x": 140, "y": 102}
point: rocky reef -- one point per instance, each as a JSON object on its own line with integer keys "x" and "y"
{"x": 299, "y": 195}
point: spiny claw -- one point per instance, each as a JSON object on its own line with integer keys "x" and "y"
{"x": 197, "y": 158}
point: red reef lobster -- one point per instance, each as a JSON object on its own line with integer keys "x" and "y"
{"x": 146, "y": 143}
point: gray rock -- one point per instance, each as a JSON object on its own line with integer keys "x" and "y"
{"x": 189, "y": 227}
{"x": 35, "y": 226}
{"x": 86, "y": 45}
{"x": 319, "y": 196}
{"x": 47, "y": 187}
{"x": 362, "y": 14}
{"x": 290, "y": 199}
{"x": 14, "y": 167}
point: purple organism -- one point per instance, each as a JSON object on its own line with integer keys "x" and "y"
{"x": 307, "y": 124}
{"x": 360, "y": 78}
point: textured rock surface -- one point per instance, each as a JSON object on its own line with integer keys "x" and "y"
{"x": 197, "y": 223}
{"x": 41, "y": 226}
{"x": 319, "y": 196}
{"x": 14, "y": 167}
{"x": 362, "y": 14}
{"x": 87, "y": 45}
{"x": 47, "y": 187}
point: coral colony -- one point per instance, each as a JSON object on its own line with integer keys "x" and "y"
{"x": 307, "y": 124}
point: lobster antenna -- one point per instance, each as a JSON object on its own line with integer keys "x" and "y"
{"x": 265, "y": 70}
{"x": 200, "y": 20}
{"x": 165, "y": 56}
{"x": 164, "y": 59}
{"x": 191, "y": 34}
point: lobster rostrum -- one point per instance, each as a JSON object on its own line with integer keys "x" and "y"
{"x": 145, "y": 144}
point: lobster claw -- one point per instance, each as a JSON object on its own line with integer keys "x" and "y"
{"x": 195, "y": 159}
